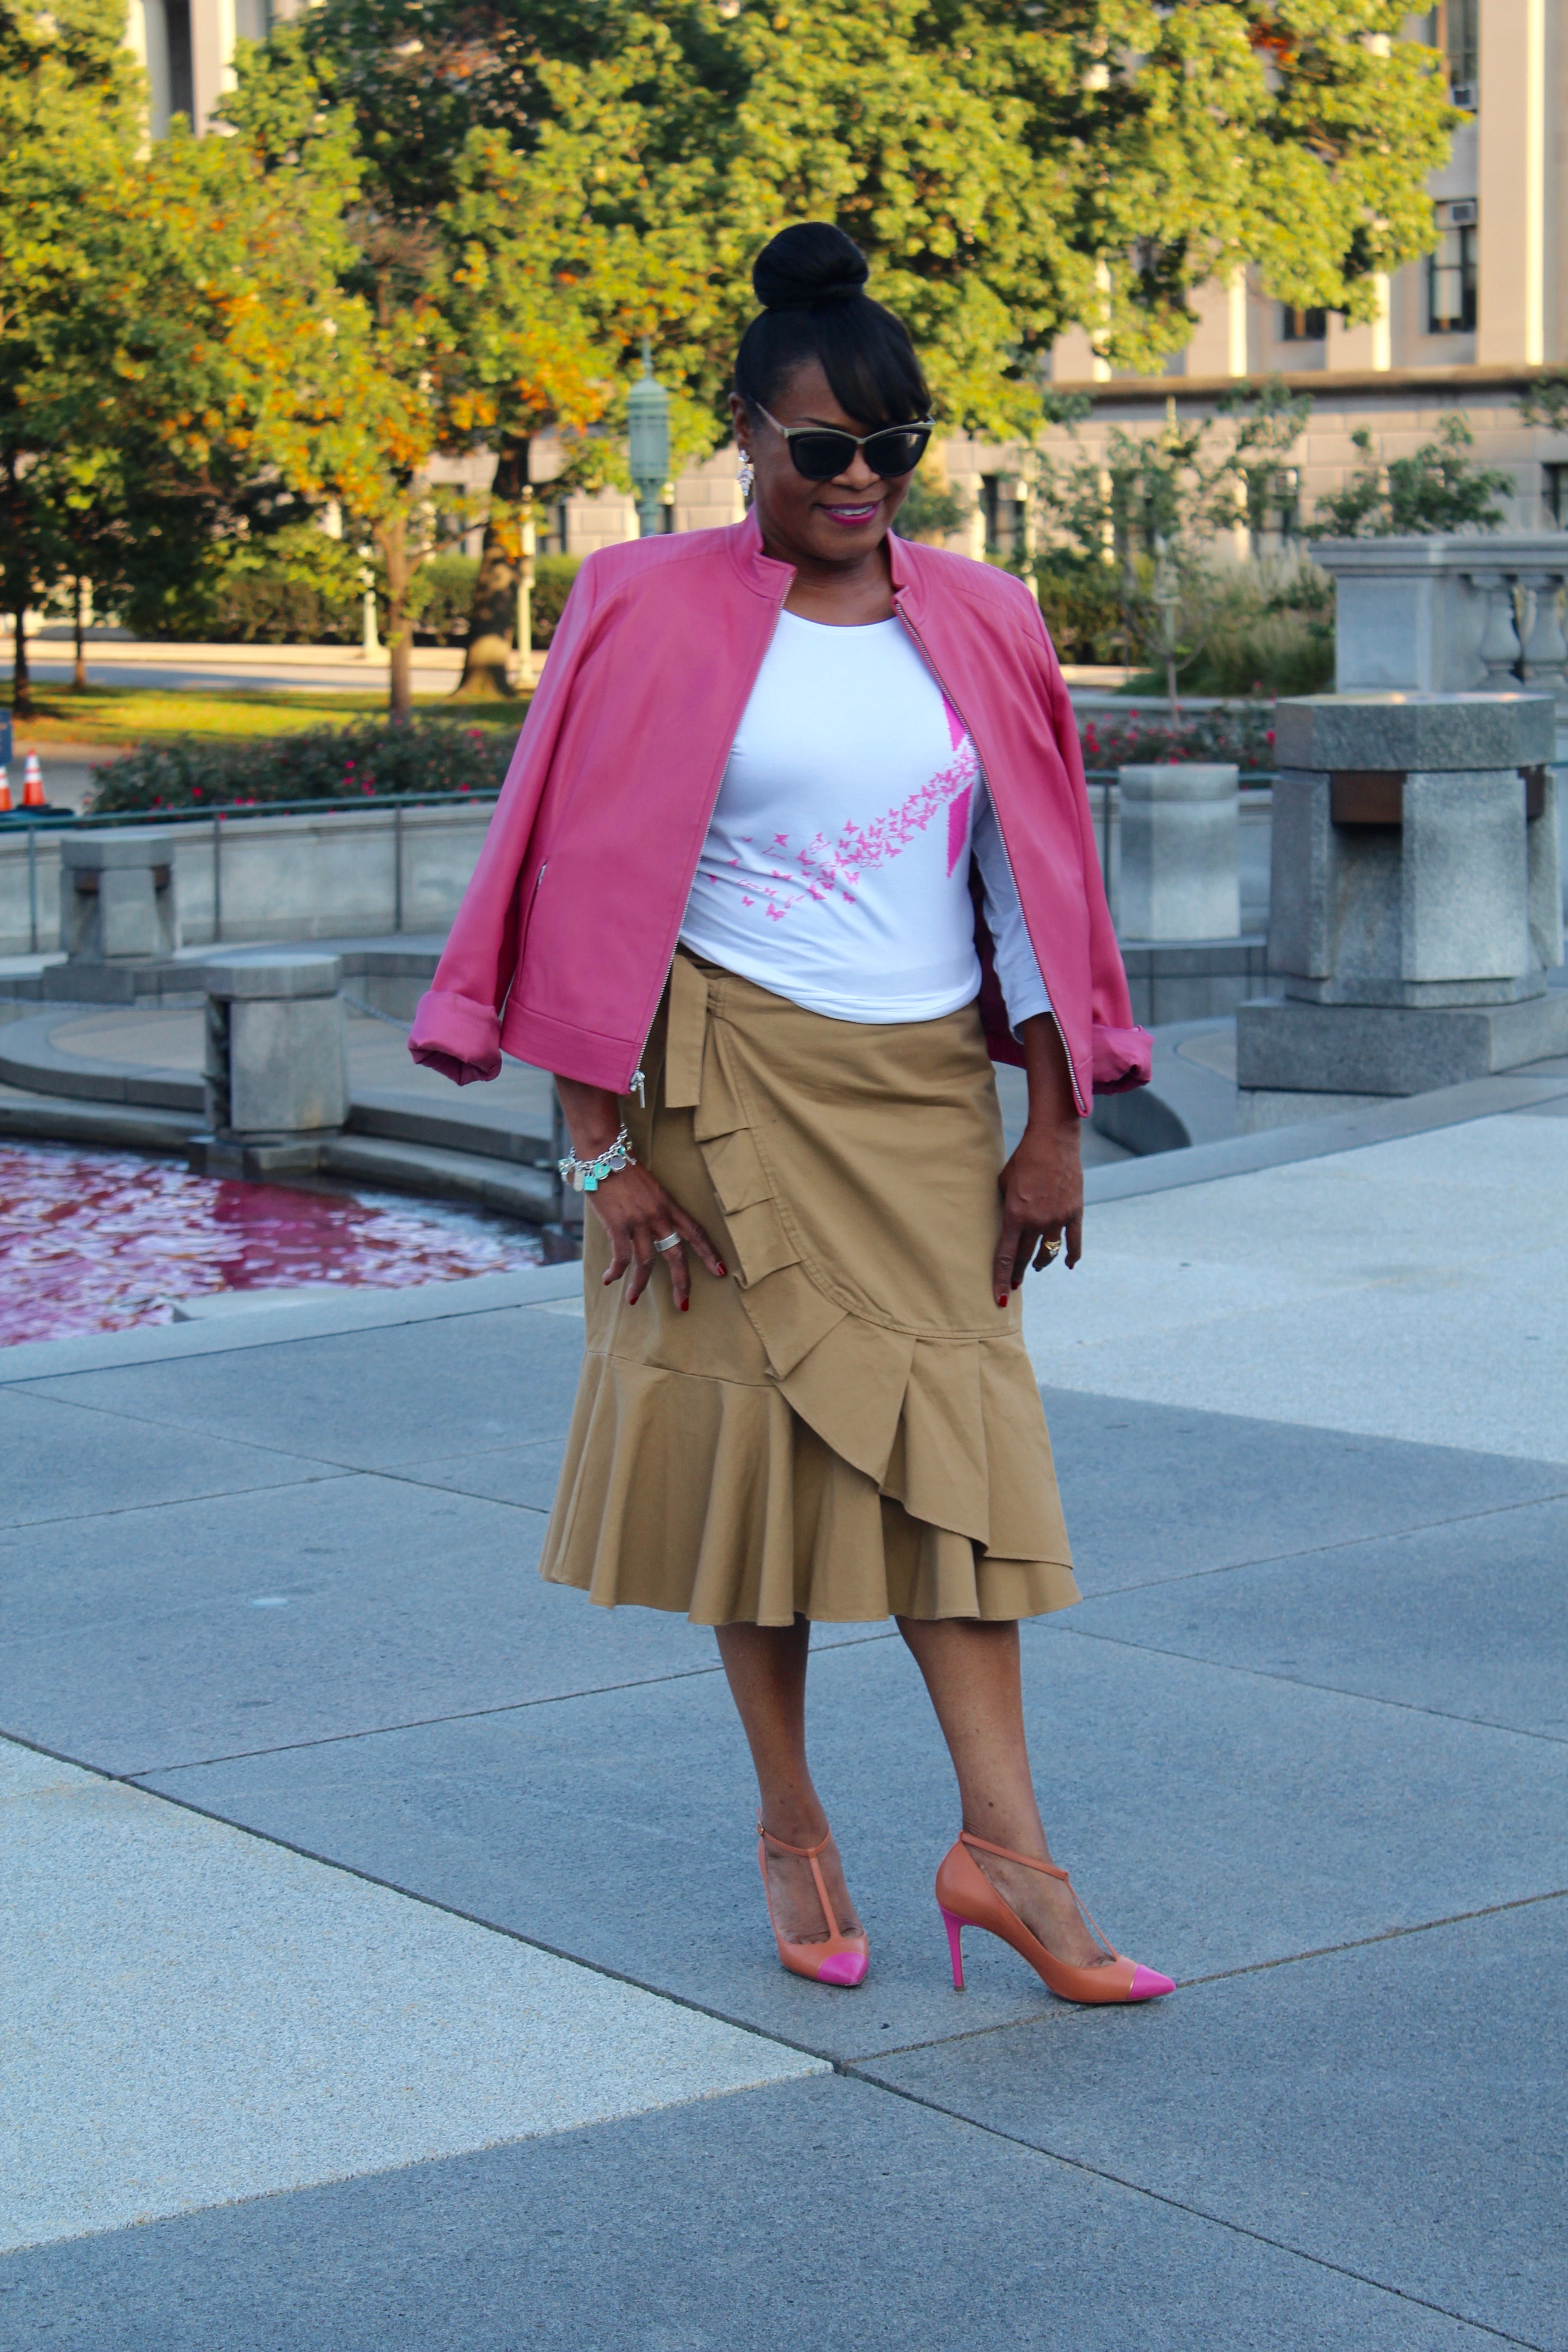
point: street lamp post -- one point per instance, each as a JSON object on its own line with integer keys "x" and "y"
{"x": 648, "y": 438}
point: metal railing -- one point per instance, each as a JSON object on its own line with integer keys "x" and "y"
{"x": 32, "y": 822}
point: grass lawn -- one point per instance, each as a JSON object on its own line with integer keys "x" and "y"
{"x": 121, "y": 717}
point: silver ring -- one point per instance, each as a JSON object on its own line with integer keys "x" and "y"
{"x": 672, "y": 1241}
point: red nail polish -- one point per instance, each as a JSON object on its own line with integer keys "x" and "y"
{"x": 684, "y": 1306}
{"x": 723, "y": 1270}
{"x": 1001, "y": 1298}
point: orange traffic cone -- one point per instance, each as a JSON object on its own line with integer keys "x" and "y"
{"x": 33, "y": 783}
{"x": 5, "y": 792}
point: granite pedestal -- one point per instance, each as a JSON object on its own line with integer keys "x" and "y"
{"x": 1177, "y": 906}
{"x": 119, "y": 911}
{"x": 1416, "y": 903}
{"x": 276, "y": 1063}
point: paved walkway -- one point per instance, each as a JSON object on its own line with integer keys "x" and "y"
{"x": 387, "y": 1966}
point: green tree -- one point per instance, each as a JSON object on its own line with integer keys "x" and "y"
{"x": 1010, "y": 171}
{"x": 483, "y": 299}
{"x": 70, "y": 121}
{"x": 1440, "y": 488}
{"x": 1546, "y": 402}
{"x": 515, "y": 141}
{"x": 1148, "y": 507}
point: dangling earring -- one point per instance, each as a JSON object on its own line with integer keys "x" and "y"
{"x": 746, "y": 474}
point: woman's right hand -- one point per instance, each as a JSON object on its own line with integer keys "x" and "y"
{"x": 636, "y": 1212}
{"x": 633, "y": 1206}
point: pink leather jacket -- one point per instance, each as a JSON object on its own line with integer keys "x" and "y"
{"x": 564, "y": 941}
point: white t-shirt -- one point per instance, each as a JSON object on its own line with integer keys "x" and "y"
{"x": 835, "y": 870}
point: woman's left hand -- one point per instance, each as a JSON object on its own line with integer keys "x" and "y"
{"x": 1042, "y": 1200}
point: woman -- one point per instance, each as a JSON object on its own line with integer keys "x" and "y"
{"x": 726, "y": 897}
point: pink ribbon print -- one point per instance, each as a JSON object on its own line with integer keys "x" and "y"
{"x": 824, "y": 868}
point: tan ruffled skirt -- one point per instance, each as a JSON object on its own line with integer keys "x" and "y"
{"x": 848, "y": 1427}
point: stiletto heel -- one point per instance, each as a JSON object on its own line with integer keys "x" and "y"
{"x": 842, "y": 1960}
{"x": 966, "y": 1898}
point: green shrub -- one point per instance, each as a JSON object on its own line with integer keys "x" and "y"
{"x": 236, "y": 601}
{"x": 357, "y": 763}
{"x": 1439, "y": 489}
{"x": 261, "y": 606}
{"x": 1264, "y": 628}
{"x": 930, "y": 510}
{"x": 553, "y": 578}
{"x": 1266, "y": 631}
{"x": 1080, "y": 600}
{"x": 442, "y": 597}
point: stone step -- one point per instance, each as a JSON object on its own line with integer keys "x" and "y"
{"x": 501, "y": 1184}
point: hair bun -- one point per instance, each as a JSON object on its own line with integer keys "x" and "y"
{"x": 810, "y": 264}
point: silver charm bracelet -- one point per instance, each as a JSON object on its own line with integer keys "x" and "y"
{"x": 587, "y": 1175}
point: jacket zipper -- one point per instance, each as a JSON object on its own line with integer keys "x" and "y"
{"x": 1072, "y": 1074}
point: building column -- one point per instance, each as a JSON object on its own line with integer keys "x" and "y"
{"x": 147, "y": 38}
{"x": 212, "y": 54}
{"x": 1365, "y": 345}
{"x": 1510, "y": 228}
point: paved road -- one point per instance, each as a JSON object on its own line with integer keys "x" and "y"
{"x": 388, "y": 1966}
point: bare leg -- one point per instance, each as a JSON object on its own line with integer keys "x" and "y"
{"x": 971, "y": 1671}
{"x": 766, "y": 1666}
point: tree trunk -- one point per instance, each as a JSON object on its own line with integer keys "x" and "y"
{"x": 392, "y": 540}
{"x": 78, "y": 678}
{"x": 21, "y": 677}
{"x": 492, "y": 616}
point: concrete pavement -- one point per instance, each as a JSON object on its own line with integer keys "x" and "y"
{"x": 391, "y": 1935}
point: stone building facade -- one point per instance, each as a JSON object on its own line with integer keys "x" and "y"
{"x": 1467, "y": 326}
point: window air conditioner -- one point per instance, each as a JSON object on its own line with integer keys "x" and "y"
{"x": 1462, "y": 215}
{"x": 1463, "y": 93}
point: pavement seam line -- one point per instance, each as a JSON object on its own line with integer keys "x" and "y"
{"x": 243, "y": 1344}
{"x": 619, "y": 1976}
{"x": 1303, "y": 1682}
{"x": 429, "y": 1722}
{"x": 1346, "y": 1543}
{"x": 1197, "y": 2212}
{"x": 315, "y": 1475}
{"x": 1223, "y": 1976}
{"x": 433, "y": 1903}
{"x": 283, "y": 1452}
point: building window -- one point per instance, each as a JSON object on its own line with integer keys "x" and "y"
{"x": 1451, "y": 278}
{"x": 1273, "y": 501}
{"x": 997, "y": 509}
{"x": 1462, "y": 46}
{"x": 181, "y": 74}
{"x": 1554, "y": 493}
{"x": 1298, "y": 326}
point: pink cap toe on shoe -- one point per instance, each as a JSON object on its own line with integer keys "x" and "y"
{"x": 1148, "y": 1985}
{"x": 843, "y": 1968}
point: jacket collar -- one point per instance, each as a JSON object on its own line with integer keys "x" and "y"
{"x": 768, "y": 577}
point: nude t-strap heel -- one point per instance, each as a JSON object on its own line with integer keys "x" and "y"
{"x": 842, "y": 1960}
{"x": 967, "y": 1899}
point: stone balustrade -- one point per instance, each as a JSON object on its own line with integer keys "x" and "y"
{"x": 1450, "y": 613}
{"x": 329, "y": 872}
